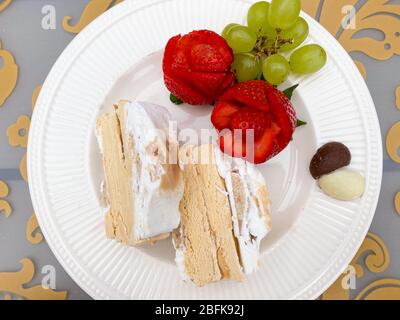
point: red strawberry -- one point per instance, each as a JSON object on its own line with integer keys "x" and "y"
{"x": 250, "y": 93}
{"x": 259, "y": 106}
{"x": 283, "y": 111}
{"x": 232, "y": 145}
{"x": 208, "y": 84}
{"x": 197, "y": 67}
{"x": 186, "y": 92}
{"x": 255, "y": 151}
{"x": 250, "y": 119}
{"x": 263, "y": 147}
{"x": 221, "y": 116}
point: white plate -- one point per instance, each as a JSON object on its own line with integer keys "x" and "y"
{"x": 119, "y": 56}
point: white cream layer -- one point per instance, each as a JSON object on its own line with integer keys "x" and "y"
{"x": 253, "y": 227}
{"x": 180, "y": 255}
{"x": 156, "y": 210}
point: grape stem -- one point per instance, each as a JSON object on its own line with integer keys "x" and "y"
{"x": 270, "y": 46}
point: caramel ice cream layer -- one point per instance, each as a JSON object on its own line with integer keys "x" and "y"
{"x": 132, "y": 218}
{"x": 206, "y": 225}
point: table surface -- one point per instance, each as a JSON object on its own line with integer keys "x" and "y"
{"x": 25, "y": 259}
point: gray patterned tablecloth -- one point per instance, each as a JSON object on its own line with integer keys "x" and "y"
{"x": 29, "y": 36}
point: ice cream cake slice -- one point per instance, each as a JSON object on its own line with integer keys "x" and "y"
{"x": 224, "y": 216}
{"x": 142, "y": 181}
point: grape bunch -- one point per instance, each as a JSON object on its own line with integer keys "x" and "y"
{"x": 272, "y": 29}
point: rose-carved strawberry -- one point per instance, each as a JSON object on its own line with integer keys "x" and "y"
{"x": 197, "y": 67}
{"x": 256, "y": 121}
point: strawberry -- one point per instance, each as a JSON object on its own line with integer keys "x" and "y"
{"x": 264, "y": 147}
{"x": 221, "y": 116}
{"x": 208, "y": 84}
{"x": 232, "y": 145}
{"x": 254, "y": 151}
{"x": 284, "y": 115}
{"x": 186, "y": 92}
{"x": 257, "y": 106}
{"x": 197, "y": 66}
{"x": 250, "y": 119}
{"x": 250, "y": 93}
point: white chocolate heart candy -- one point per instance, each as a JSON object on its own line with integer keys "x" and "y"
{"x": 345, "y": 185}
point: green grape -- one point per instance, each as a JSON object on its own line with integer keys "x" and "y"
{"x": 298, "y": 32}
{"x": 257, "y": 20}
{"x": 283, "y": 13}
{"x": 308, "y": 59}
{"x": 227, "y": 29}
{"x": 262, "y": 58}
{"x": 246, "y": 66}
{"x": 241, "y": 39}
{"x": 276, "y": 69}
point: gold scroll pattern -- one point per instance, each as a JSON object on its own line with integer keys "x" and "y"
{"x": 383, "y": 16}
{"x": 361, "y": 68}
{"x": 376, "y": 259}
{"x": 311, "y": 7}
{"x": 17, "y": 283}
{"x": 22, "y": 168}
{"x": 393, "y": 143}
{"x": 398, "y": 97}
{"x": 22, "y": 164}
{"x": 35, "y": 95}
{"x": 8, "y": 74}
{"x": 5, "y": 206}
{"x": 384, "y": 289}
{"x": 92, "y": 10}
{"x": 17, "y": 133}
{"x": 378, "y": 15}
{"x": 393, "y": 146}
{"x": 4, "y": 4}
{"x": 397, "y": 203}
{"x": 33, "y": 233}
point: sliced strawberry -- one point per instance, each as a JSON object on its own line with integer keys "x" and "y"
{"x": 209, "y": 84}
{"x": 185, "y": 92}
{"x": 259, "y": 106}
{"x": 168, "y": 59}
{"x": 263, "y": 147}
{"x": 284, "y": 117}
{"x": 232, "y": 145}
{"x": 229, "y": 81}
{"x": 210, "y": 58}
{"x": 257, "y": 151}
{"x": 249, "y": 93}
{"x": 211, "y": 37}
{"x": 250, "y": 119}
{"x": 181, "y": 56}
{"x": 198, "y": 64}
{"x": 222, "y": 113}
{"x": 202, "y": 51}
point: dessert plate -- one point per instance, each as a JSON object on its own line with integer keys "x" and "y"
{"x": 119, "y": 56}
